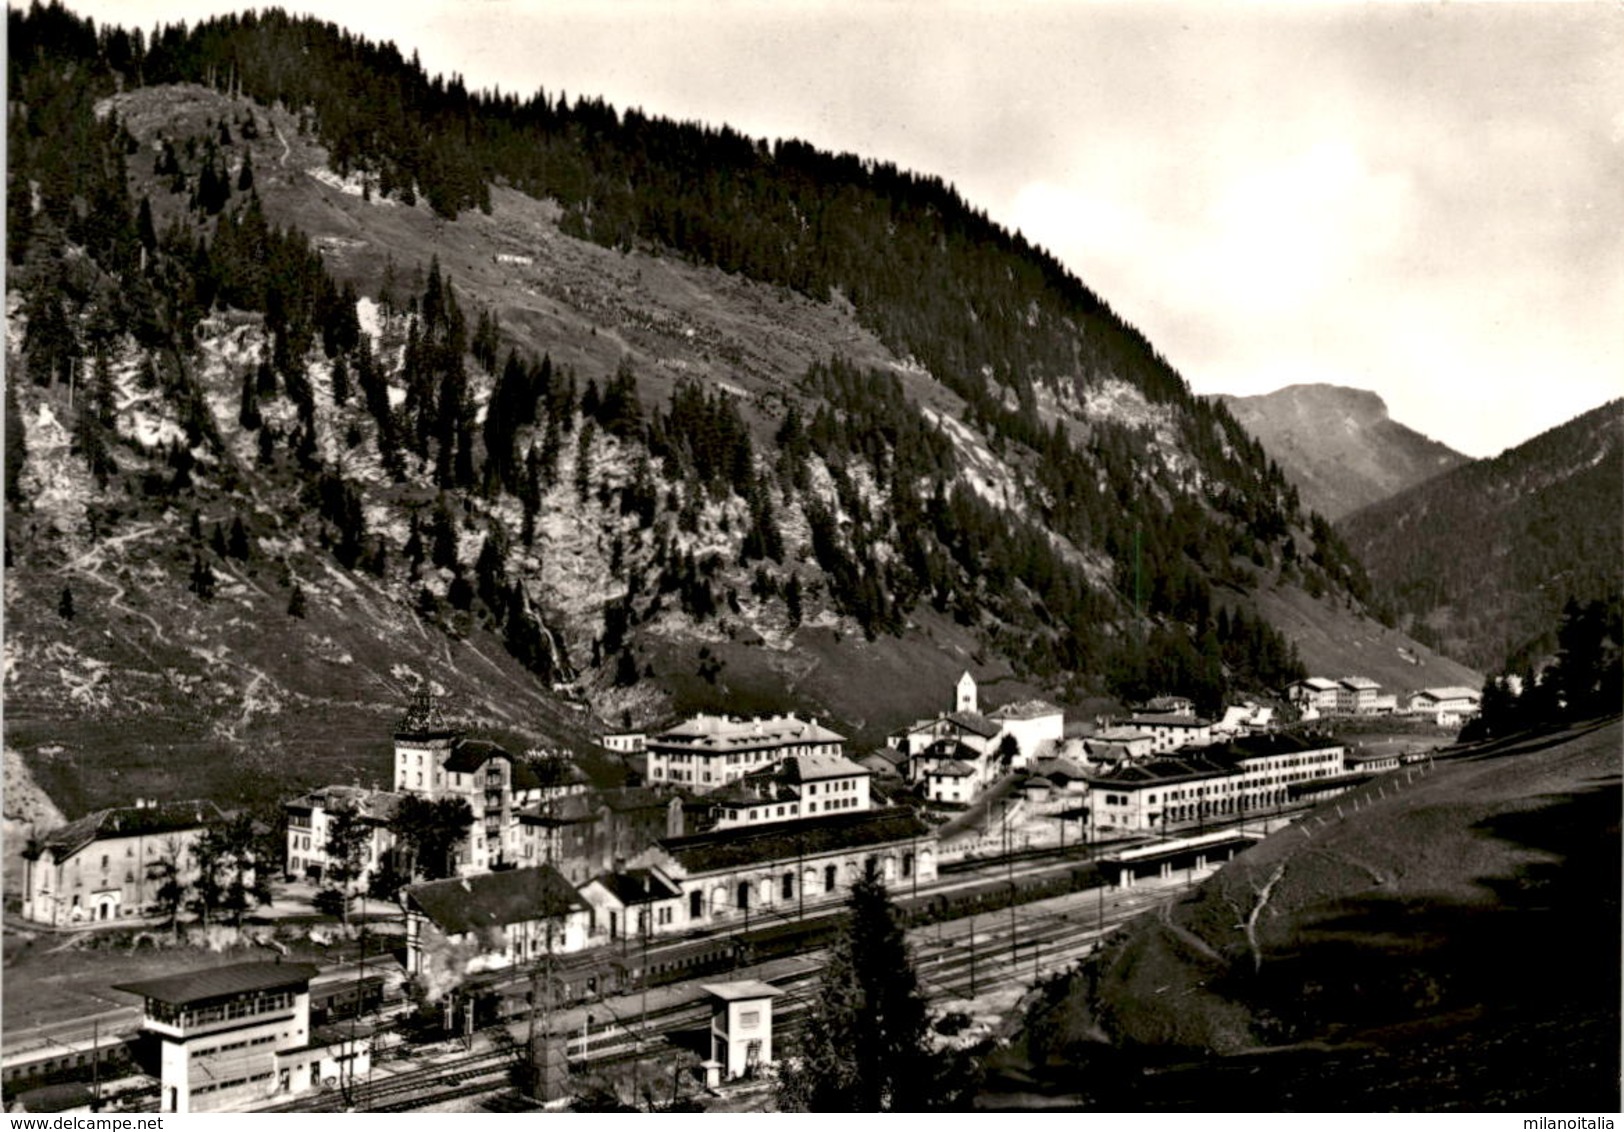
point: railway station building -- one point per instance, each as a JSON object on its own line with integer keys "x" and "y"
{"x": 761, "y": 872}
{"x": 1252, "y": 774}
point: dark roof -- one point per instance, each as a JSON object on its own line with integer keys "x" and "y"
{"x": 468, "y": 755}
{"x": 636, "y": 886}
{"x": 513, "y": 896}
{"x": 1156, "y": 771}
{"x": 374, "y": 806}
{"x": 1168, "y": 719}
{"x": 634, "y": 798}
{"x": 973, "y": 722}
{"x": 1058, "y": 769}
{"x": 749, "y": 845}
{"x": 1257, "y": 746}
{"x": 222, "y": 982}
{"x": 129, "y": 821}
{"x": 949, "y": 749}
{"x": 952, "y": 768}
{"x": 56, "y": 1098}
{"x": 568, "y": 810}
{"x": 880, "y": 763}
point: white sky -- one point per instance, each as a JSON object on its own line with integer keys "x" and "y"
{"x": 1422, "y": 199}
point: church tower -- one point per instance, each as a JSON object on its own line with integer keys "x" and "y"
{"x": 966, "y": 699}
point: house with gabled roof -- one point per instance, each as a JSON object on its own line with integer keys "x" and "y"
{"x": 102, "y": 867}
{"x": 492, "y": 921}
{"x": 630, "y": 903}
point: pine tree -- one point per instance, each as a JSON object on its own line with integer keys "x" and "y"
{"x": 865, "y": 1046}
{"x": 202, "y": 583}
{"x": 237, "y": 541}
{"x": 296, "y": 602}
{"x": 64, "y": 606}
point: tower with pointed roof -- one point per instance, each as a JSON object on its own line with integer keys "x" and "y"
{"x": 965, "y": 699}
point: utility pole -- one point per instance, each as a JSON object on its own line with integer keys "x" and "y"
{"x": 972, "y": 954}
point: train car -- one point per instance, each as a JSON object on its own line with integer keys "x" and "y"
{"x": 106, "y": 1057}
{"x": 337, "y": 995}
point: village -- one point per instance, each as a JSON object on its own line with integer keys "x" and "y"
{"x": 492, "y": 873}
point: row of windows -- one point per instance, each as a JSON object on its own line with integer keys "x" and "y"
{"x": 838, "y": 785}
{"x": 229, "y": 1046}
{"x": 235, "y": 1082}
{"x": 245, "y": 1007}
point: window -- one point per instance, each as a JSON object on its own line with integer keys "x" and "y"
{"x": 829, "y": 876}
{"x": 749, "y": 1019}
{"x": 788, "y": 890}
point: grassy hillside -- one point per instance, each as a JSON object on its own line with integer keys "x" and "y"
{"x": 1452, "y": 944}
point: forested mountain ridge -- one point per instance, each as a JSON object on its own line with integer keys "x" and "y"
{"x": 1339, "y": 446}
{"x": 338, "y": 380}
{"x": 1481, "y": 561}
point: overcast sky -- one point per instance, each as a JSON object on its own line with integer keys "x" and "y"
{"x": 1422, "y": 199}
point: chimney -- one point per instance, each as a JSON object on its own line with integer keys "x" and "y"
{"x": 619, "y": 866}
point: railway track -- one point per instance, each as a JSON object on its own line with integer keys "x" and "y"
{"x": 957, "y": 961}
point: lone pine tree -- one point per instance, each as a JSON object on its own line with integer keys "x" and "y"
{"x": 865, "y": 1046}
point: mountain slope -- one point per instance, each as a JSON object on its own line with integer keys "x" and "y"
{"x": 1482, "y": 560}
{"x": 321, "y": 363}
{"x": 1340, "y": 963}
{"x": 1339, "y": 446}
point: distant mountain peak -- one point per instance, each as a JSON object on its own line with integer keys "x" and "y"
{"x": 1339, "y": 445}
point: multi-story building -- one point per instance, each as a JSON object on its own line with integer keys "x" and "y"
{"x": 1250, "y": 774}
{"x": 435, "y": 760}
{"x": 1356, "y": 695}
{"x": 309, "y": 828}
{"x": 585, "y": 834}
{"x": 1316, "y": 692}
{"x": 109, "y": 865}
{"x": 797, "y": 787}
{"x": 1447, "y": 705}
{"x": 709, "y": 751}
{"x": 1170, "y": 731}
{"x": 236, "y": 1037}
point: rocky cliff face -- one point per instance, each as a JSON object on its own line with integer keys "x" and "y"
{"x": 1339, "y": 446}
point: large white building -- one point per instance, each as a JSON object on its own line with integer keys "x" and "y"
{"x": 1448, "y": 706}
{"x": 728, "y": 875}
{"x": 710, "y": 751}
{"x": 108, "y": 865}
{"x": 1250, "y": 774}
{"x": 796, "y": 787}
